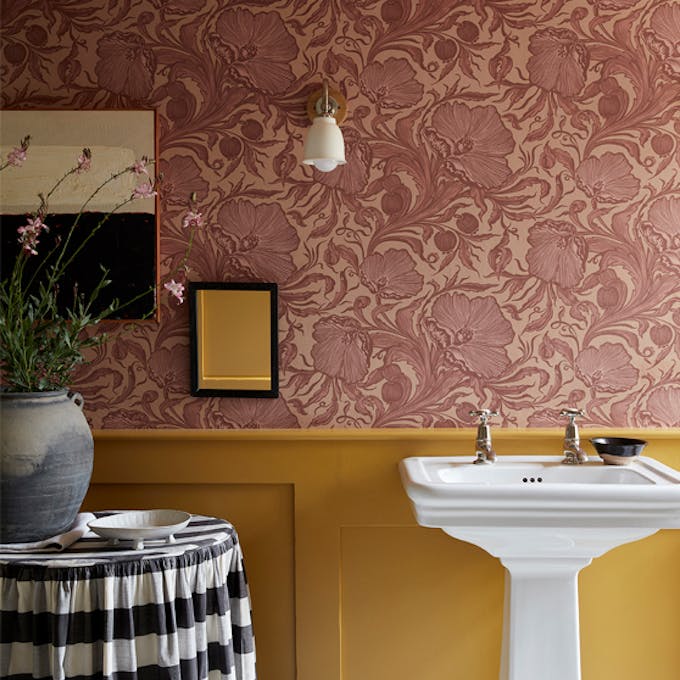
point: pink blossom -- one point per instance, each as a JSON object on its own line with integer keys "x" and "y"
{"x": 16, "y": 156}
{"x": 144, "y": 190}
{"x": 139, "y": 167}
{"x": 192, "y": 219}
{"x": 557, "y": 254}
{"x": 28, "y": 235}
{"x": 608, "y": 179}
{"x": 472, "y": 141}
{"x": 342, "y": 349}
{"x": 472, "y": 332}
{"x": 607, "y": 368}
{"x": 84, "y": 161}
{"x": 559, "y": 61}
{"x": 392, "y": 275}
{"x": 175, "y": 288}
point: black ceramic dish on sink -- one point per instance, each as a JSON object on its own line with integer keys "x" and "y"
{"x": 618, "y": 450}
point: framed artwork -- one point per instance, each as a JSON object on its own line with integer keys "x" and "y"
{"x": 234, "y": 339}
{"x": 127, "y": 245}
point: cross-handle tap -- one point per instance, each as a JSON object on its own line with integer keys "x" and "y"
{"x": 573, "y": 453}
{"x": 483, "y": 448}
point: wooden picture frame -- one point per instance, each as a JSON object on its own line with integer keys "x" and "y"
{"x": 234, "y": 339}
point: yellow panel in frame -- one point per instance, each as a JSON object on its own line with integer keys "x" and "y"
{"x": 234, "y": 343}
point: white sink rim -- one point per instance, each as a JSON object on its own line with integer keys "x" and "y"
{"x": 439, "y": 502}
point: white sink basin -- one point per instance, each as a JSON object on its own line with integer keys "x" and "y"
{"x": 534, "y": 491}
{"x": 545, "y": 521}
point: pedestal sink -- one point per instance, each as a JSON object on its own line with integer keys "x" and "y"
{"x": 545, "y": 521}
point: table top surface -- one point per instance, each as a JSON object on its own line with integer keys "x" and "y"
{"x": 204, "y": 537}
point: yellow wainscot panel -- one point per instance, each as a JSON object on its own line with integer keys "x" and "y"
{"x": 630, "y": 611}
{"x": 416, "y": 604}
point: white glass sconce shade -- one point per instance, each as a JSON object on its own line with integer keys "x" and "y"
{"x": 324, "y": 146}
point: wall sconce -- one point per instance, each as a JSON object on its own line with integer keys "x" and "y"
{"x": 324, "y": 145}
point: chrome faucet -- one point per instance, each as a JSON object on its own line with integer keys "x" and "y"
{"x": 573, "y": 453}
{"x": 484, "y": 450}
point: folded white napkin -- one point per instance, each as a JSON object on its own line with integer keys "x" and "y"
{"x": 60, "y": 542}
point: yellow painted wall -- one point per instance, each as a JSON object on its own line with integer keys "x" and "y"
{"x": 346, "y": 586}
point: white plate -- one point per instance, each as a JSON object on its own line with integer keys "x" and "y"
{"x": 140, "y": 525}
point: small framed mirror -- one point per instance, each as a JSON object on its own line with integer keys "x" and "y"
{"x": 234, "y": 339}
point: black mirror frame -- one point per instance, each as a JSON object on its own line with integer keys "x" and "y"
{"x": 198, "y": 391}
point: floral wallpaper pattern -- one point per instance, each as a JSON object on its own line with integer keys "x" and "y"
{"x": 506, "y": 232}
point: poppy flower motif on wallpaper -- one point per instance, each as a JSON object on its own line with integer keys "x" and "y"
{"x": 472, "y": 332}
{"x": 342, "y": 349}
{"x": 664, "y": 219}
{"x": 556, "y": 253}
{"x": 612, "y": 5}
{"x": 472, "y": 141}
{"x": 392, "y": 85}
{"x": 257, "y": 240}
{"x": 559, "y": 61}
{"x": 183, "y": 6}
{"x": 254, "y": 414}
{"x": 663, "y": 407}
{"x": 607, "y": 179}
{"x": 126, "y": 65}
{"x": 132, "y": 419}
{"x": 166, "y": 372}
{"x": 391, "y": 275}
{"x": 663, "y": 38}
{"x": 257, "y": 49}
{"x": 181, "y": 178}
{"x": 661, "y": 231}
{"x": 607, "y": 368}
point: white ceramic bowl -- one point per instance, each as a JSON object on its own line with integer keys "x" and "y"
{"x": 140, "y": 525}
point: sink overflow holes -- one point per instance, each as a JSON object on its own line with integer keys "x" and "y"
{"x": 532, "y": 480}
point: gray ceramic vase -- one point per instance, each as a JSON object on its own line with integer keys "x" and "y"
{"x": 45, "y": 463}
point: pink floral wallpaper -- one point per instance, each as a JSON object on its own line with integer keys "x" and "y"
{"x": 506, "y": 232}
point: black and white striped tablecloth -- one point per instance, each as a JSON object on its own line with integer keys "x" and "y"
{"x": 171, "y": 610}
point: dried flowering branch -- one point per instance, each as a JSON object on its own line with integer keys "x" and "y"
{"x": 40, "y": 345}
{"x": 193, "y": 221}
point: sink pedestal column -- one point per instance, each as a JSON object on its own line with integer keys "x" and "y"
{"x": 540, "y": 617}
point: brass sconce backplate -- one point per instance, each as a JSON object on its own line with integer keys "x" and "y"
{"x": 336, "y": 100}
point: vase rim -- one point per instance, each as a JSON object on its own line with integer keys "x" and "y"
{"x": 32, "y": 395}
